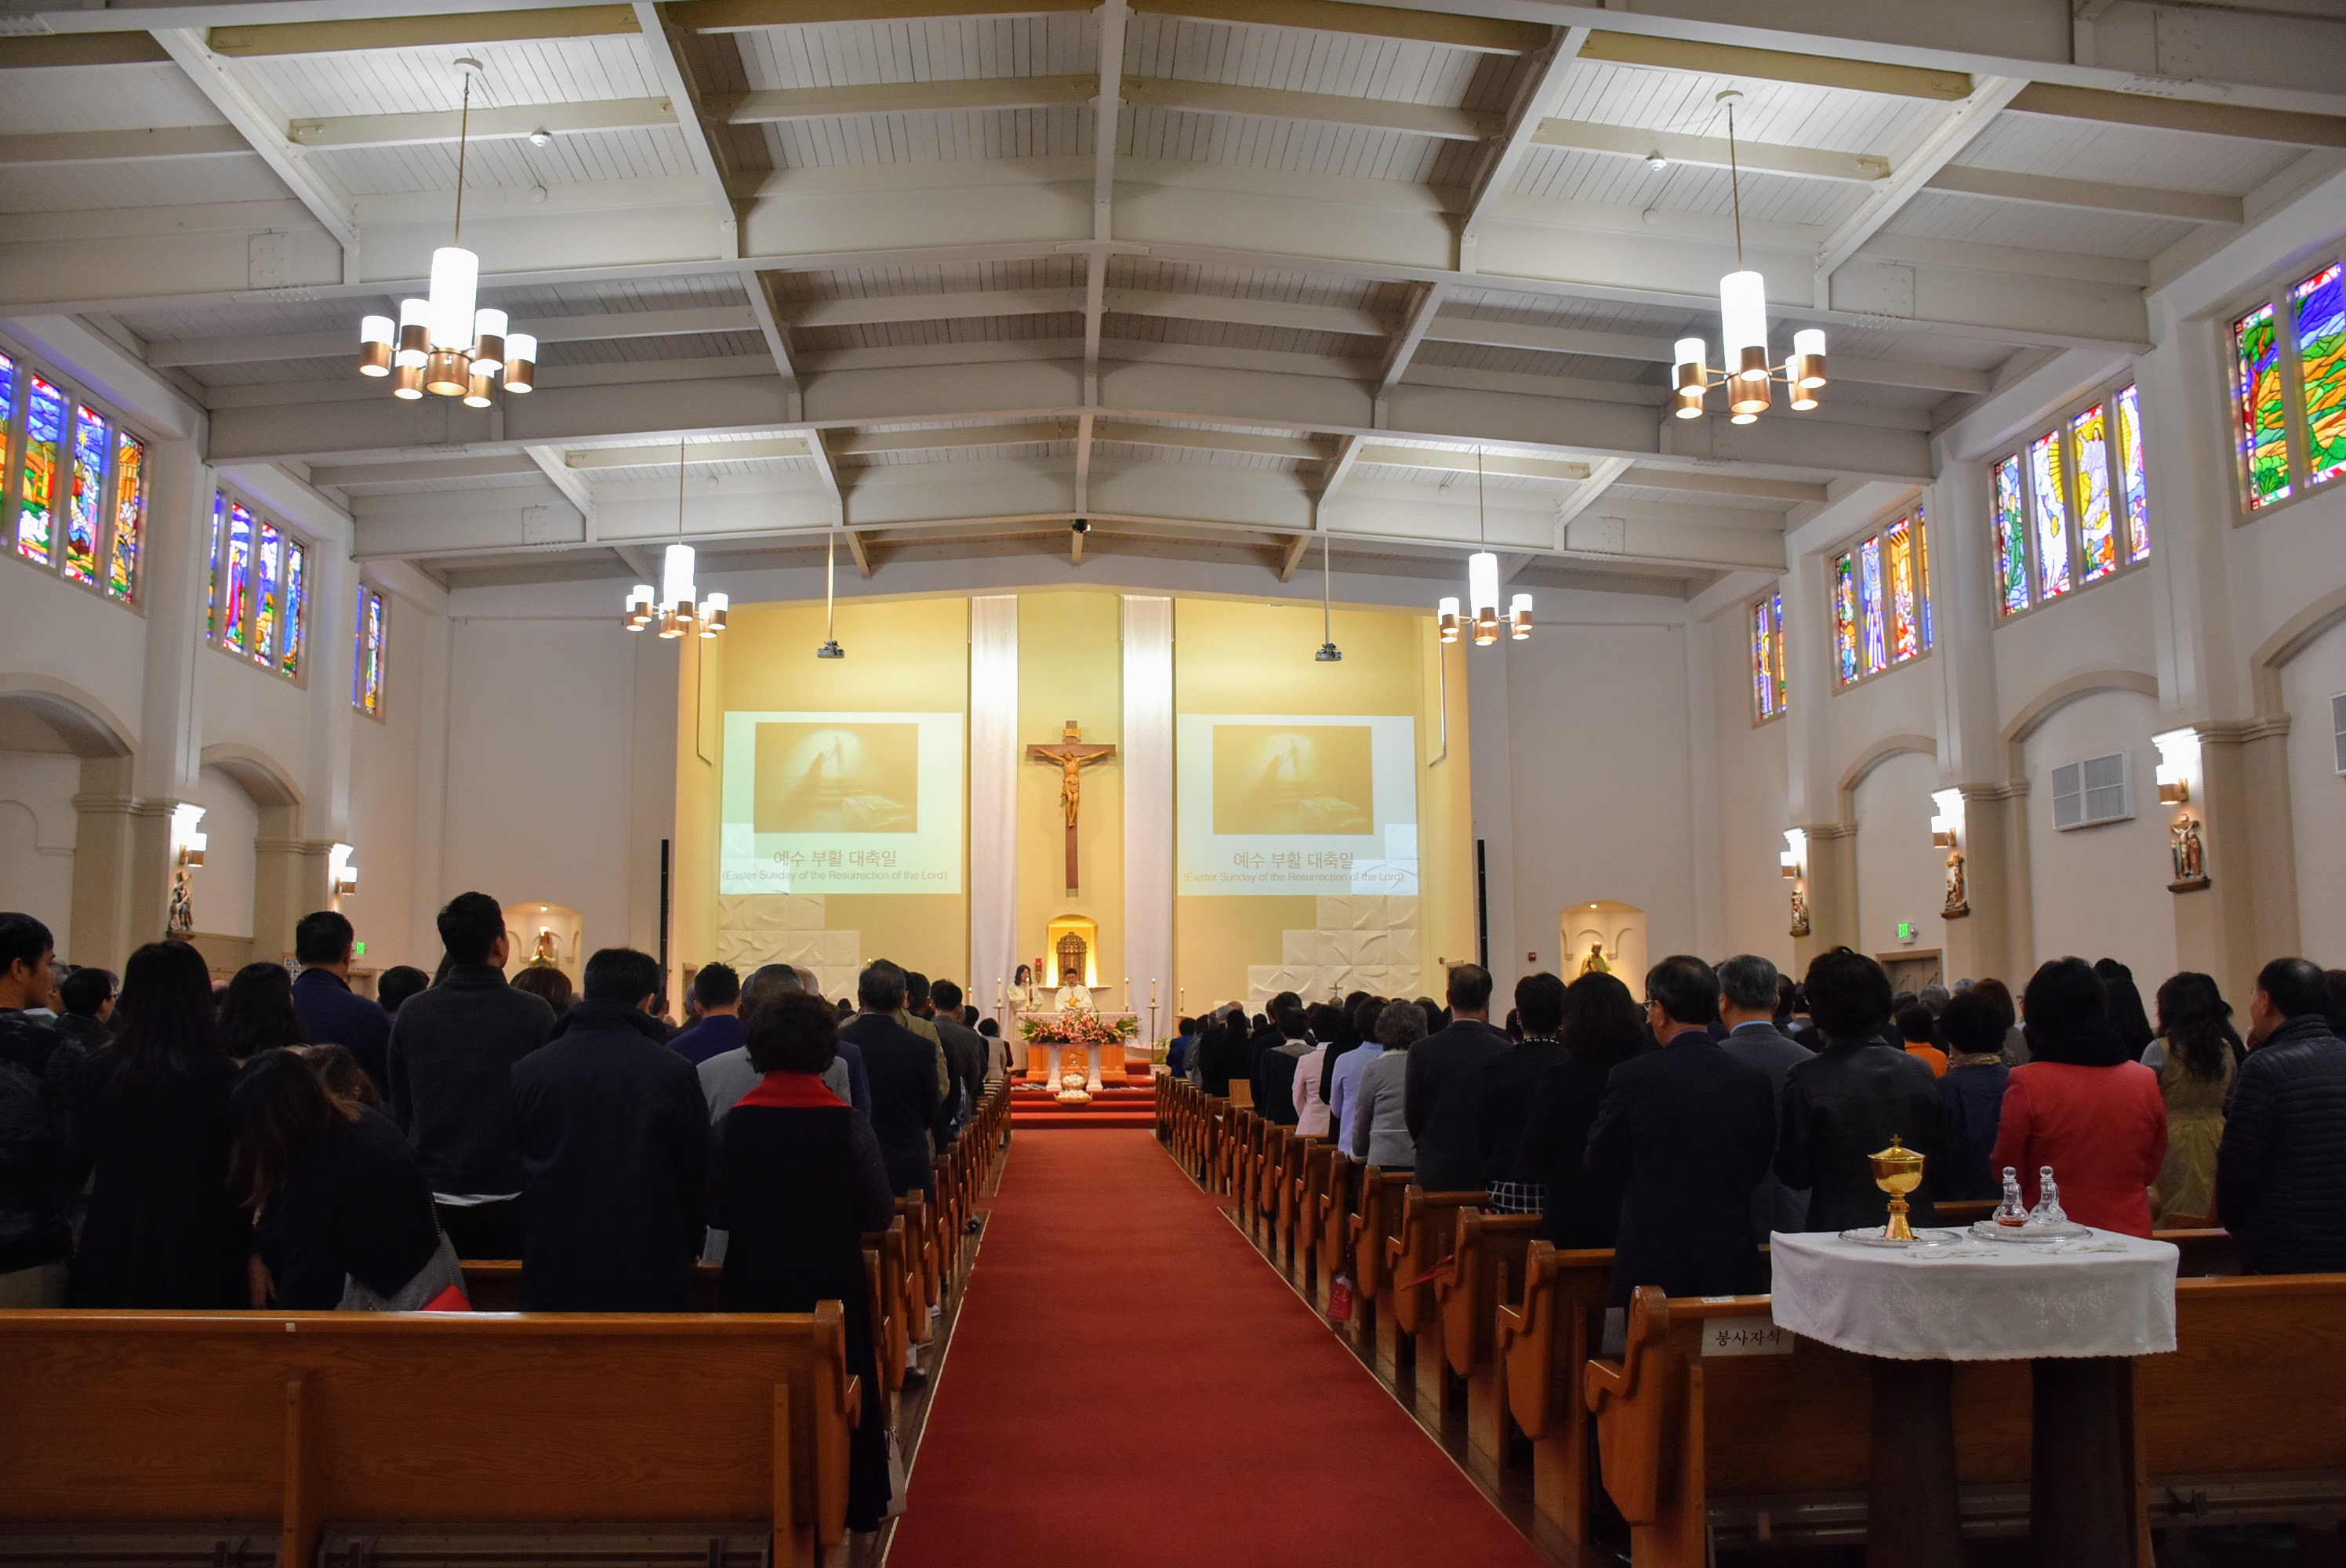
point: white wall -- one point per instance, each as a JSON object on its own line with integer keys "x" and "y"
{"x": 2317, "y": 795}
{"x": 222, "y": 886}
{"x": 37, "y": 836}
{"x": 2101, "y": 892}
{"x": 382, "y": 832}
{"x": 1899, "y": 877}
{"x": 1754, "y": 804}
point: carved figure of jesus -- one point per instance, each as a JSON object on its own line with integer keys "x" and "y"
{"x": 1072, "y": 755}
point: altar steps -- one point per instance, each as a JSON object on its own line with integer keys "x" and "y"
{"x": 1128, "y": 1104}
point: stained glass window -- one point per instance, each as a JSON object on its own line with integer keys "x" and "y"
{"x": 45, "y": 432}
{"x": 1768, "y": 656}
{"x": 2096, "y": 529}
{"x": 236, "y": 560}
{"x": 2047, "y": 491}
{"x": 1922, "y": 573}
{"x": 264, "y": 600}
{"x": 1869, "y": 600}
{"x": 129, "y": 515}
{"x": 1845, "y": 615}
{"x": 7, "y": 426}
{"x": 220, "y": 527}
{"x": 2262, "y": 414}
{"x": 85, "y": 515}
{"x": 297, "y": 591}
{"x": 2010, "y": 540}
{"x": 1905, "y": 604}
{"x": 2318, "y": 307}
{"x": 367, "y": 660}
{"x": 2131, "y": 478}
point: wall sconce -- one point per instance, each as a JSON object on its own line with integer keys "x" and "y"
{"x": 188, "y": 844}
{"x": 1796, "y": 852}
{"x": 1946, "y": 817}
{"x": 2179, "y": 759}
{"x": 345, "y": 876}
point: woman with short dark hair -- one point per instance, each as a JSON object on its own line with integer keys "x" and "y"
{"x": 548, "y": 985}
{"x": 258, "y": 1014}
{"x": 1601, "y": 1026}
{"x": 2193, "y": 1057}
{"x": 2082, "y": 1104}
{"x": 164, "y": 1229}
{"x": 796, "y": 1178}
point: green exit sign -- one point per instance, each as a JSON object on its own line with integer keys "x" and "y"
{"x": 358, "y": 949}
{"x": 1906, "y": 931}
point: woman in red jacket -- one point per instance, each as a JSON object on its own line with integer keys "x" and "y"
{"x": 2082, "y": 1104}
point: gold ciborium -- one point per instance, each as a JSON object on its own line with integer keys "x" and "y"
{"x": 1897, "y": 1170}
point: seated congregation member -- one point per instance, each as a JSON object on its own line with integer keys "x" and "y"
{"x": 1603, "y": 1026}
{"x": 343, "y": 1214}
{"x": 614, "y": 1142}
{"x": 906, "y": 1103}
{"x": 330, "y": 1011}
{"x": 395, "y": 986}
{"x": 89, "y": 995}
{"x": 1320, "y": 1025}
{"x": 164, "y": 1228}
{"x": 1274, "y": 1064}
{"x": 1971, "y": 1102}
{"x": 717, "y": 992}
{"x": 1508, "y": 1084}
{"x": 2282, "y": 1161}
{"x": 41, "y": 1163}
{"x": 1345, "y": 1078}
{"x": 258, "y": 1014}
{"x": 2083, "y": 1104}
{"x": 965, "y": 1053}
{"x": 1376, "y": 1124}
{"x": 1916, "y": 1029}
{"x": 1749, "y": 990}
{"x": 1445, "y": 1095}
{"x": 1852, "y": 1098}
{"x": 453, "y": 1051}
{"x": 2193, "y": 1059}
{"x": 796, "y": 1177}
{"x": 1683, "y": 1134}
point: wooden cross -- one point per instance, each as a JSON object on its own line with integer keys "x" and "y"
{"x": 1071, "y": 754}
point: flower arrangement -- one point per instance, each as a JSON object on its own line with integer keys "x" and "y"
{"x": 1077, "y": 1029}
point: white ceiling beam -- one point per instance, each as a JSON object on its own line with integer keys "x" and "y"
{"x": 1410, "y": 338}
{"x": 1964, "y": 125}
{"x": 1385, "y": 455}
{"x": 266, "y": 348}
{"x": 761, "y": 286}
{"x": 1699, "y": 481}
{"x": 1488, "y": 36}
{"x": 66, "y": 51}
{"x": 668, "y": 65}
{"x": 508, "y": 123}
{"x": 782, "y": 106}
{"x": 324, "y": 200}
{"x": 1107, "y": 121}
{"x": 1290, "y": 555}
{"x": 569, "y": 480}
{"x": 1312, "y": 109}
{"x": 857, "y": 547}
{"x": 742, "y": 451}
{"x": 494, "y": 465}
{"x": 1919, "y": 373}
{"x": 750, "y": 15}
{"x": 1505, "y": 161}
{"x": 53, "y": 147}
{"x": 1184, "y": 437}
{"x": 2092, "y": 195}
{"x": 1250, "y": 312}
{"x": 425, "y": 32}
{"x": 1711, "y": 151}
{"x": 1658, "y": 53}
{"x": 948, "y": 438}
{"x": 2240, "y": 121}
{"x": 966, "y": 304}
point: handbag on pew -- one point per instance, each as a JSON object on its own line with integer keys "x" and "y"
{"x": 438, "y": 1287}
{"x": 1340, "y": 1299}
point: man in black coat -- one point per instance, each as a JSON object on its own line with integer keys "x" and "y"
{"x": 1223, "y": 1053}
{"x": 1510, "y": 1081}
{"x": 1684, "y": 1133}
{"x": 964, "y": 1047}
{"x": 2282, "y": 1161}
{"x": 1852, "y": 1098}
{"x": 453, "y": 1050}
{"x": 614, "y": 1140}
{"x": 1749, "y": 989}
{"x": 1442, "y": 1094}
{"x": 331, "y": 1013}
{"x": 906, "y": 1105}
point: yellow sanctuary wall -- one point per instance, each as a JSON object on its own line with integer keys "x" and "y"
{"x": 1071, "y": 666}
{"x": 1246, "y": 657}
{"x": 903, "y": 655}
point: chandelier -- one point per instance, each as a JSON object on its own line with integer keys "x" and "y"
{"x": 1483, "y": 587}
{"x": 442, "y": 344}
{"x": 1743, "y": 328}
{"x": 679, "y": 606}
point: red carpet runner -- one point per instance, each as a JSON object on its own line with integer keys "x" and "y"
{"x": 1130, "y": 1384}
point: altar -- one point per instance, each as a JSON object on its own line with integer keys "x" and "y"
{"x": 1065, "y": 1049}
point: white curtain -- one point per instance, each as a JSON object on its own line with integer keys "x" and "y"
{"x": 1147, "y": 760}
{"x": 993, "y": 795}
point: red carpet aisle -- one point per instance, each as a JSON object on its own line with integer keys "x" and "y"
{"x": 1131, "y": 1385}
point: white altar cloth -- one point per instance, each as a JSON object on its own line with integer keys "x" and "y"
{"x": 2005, "y": 1301}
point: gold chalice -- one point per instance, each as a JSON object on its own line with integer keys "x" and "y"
{"x": 1897, "y": 1170}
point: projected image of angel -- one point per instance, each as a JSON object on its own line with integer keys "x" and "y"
{"x": 836, "y": 778}
{"x": 1297, "y": 786}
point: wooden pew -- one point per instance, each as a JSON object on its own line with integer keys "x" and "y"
{"x": 1331, "y": 1221}
{"x": 1490, "y": 1250}
{"x": 1543, "y": 1338}
{"x": 1428, "y": 1233}
{"x": 298, "y": 1421}
{"x": 1299, "y": 1217}
{"x": 1375, "y": 1222}
{"x": 921, "y": 1290}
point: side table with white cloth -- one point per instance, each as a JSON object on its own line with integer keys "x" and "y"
{"x": 2079, "y": 1311}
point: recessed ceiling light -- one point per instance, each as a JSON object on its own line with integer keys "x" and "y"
{"x": 541, "y": 137}
{"x": 1654, "y": 160}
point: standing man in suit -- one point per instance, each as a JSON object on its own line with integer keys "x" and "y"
{"x": 1749, "y": 988}
{"x": 1441, "y": 1096}
{"x": 907, "y": 1104}
{"x": 1684, "y": 1133}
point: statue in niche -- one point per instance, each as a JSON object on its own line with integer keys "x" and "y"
{"x": 1595, "y": 962}
{"x": 547, "y": 954}
{"x": 1800, "y": 913}
{"x": 2190, "y": 856}
{"x": 1958, "y": 900}
{"x": 181, "y": 920}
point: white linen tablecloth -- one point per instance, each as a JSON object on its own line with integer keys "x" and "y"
{"x": 2008, "y": 1301}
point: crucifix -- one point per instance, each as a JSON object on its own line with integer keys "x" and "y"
{"x": 1070, "y": 754}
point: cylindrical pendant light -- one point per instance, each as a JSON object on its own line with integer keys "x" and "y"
{"x": 488, "y": 341}
{"x": 676, "y": 579}
{"x": 1743, "y": 323}
{"x": 521, "y": 362}
{"x": 639, "y": 606}
{"x": 377, "y": 335}
{"x": 1448, "y": 611}
{"x": 1688, "y": 378}
{"x": 414, "y": 332}
{"x": 455, "y": 294}
{"x": 1519, "y": 617}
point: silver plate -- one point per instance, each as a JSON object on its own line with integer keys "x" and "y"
{"x": 1872, "y": 1237}
{"x": 1988, "y": 1230}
